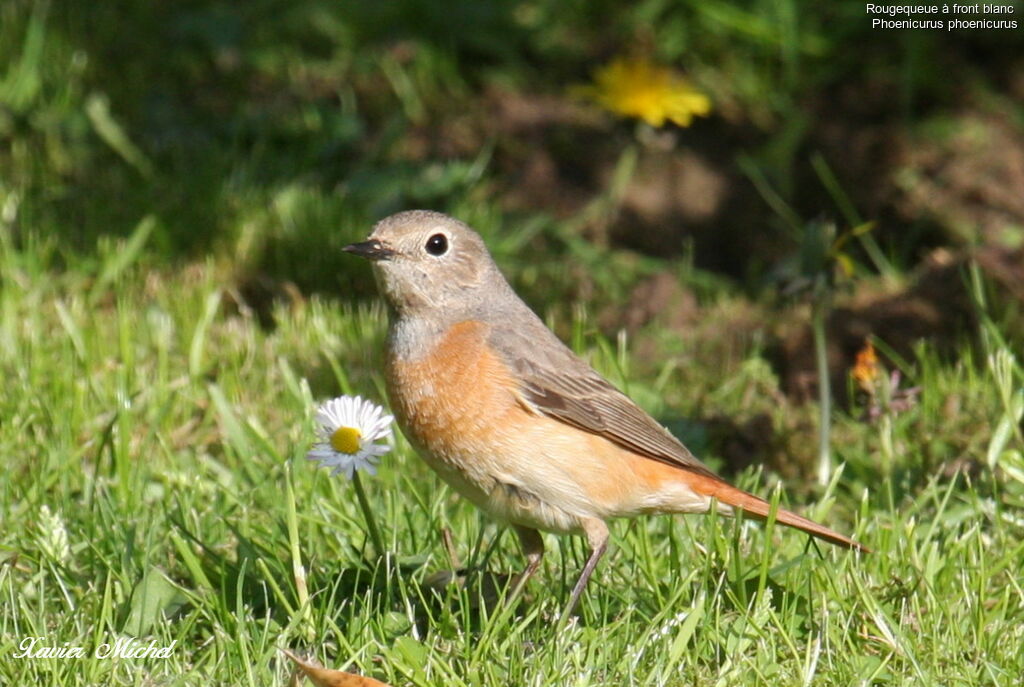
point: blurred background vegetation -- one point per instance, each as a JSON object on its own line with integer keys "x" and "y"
{"x": 266, "y": 135}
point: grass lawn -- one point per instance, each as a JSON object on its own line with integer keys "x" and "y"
{"x": 156, "y": 488}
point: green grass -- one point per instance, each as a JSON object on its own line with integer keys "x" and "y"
{"x": 155, "y": 487}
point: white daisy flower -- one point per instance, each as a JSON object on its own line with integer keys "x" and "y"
{"x": 349, "y": 428}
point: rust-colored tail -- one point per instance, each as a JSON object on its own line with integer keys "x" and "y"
{"x": 759, "y": 508}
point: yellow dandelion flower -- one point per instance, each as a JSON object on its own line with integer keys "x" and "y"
{"x": 636, "y": 87}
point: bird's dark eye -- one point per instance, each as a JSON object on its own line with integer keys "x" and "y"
{"x": 437, "y": 244}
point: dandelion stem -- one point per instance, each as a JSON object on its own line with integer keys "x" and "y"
{"x": 820, "y": 308}
{"x": 371, "y": 523}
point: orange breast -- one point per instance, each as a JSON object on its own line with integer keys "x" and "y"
{"x": 451, "y": 401}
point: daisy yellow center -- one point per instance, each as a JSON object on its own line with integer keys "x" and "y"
{"x": 346, "y": 440}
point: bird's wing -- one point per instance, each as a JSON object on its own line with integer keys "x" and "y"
{"x": 554, "y": 382}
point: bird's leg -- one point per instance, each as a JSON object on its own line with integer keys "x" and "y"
{"x": 597, "y": 538}
{"x": 533, "y": 549}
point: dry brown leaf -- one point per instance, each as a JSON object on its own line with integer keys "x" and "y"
{"x": 324, "y": 677}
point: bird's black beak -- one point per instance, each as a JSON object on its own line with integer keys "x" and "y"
{"x": 371, "y": 250}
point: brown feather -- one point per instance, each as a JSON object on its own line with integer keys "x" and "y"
{"x": 584, "y": 399}
{"x": 564, "y": 387}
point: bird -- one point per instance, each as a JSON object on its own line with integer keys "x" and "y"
{"x": 511, "y": 418}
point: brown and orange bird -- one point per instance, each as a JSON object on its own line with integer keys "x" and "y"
{"x": 510, "y": 417}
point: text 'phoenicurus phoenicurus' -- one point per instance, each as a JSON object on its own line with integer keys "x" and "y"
{"x": 510, "y": 417}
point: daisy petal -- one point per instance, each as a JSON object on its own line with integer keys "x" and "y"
{"x": 369, "y": 423}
